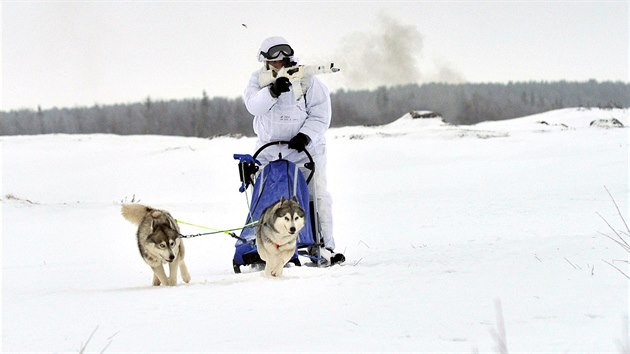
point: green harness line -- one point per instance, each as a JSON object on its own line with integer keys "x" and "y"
{"x": 229, "y": 232}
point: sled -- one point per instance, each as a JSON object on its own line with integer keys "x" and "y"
{"x": 279, "y": 178}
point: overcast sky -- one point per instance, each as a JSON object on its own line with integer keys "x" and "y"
{"x": 66, "y": 54}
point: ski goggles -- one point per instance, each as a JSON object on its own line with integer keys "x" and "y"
{"x": 275, "y": 51}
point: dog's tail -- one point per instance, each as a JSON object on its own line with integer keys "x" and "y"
{"x": 134, "y": 213}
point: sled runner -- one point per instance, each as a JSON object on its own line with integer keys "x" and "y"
{"x": 279, "y": 178}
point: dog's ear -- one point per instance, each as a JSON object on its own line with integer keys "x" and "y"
{"x": 282, "y": 200}
{"x": 175, "y": 226}
{"x": 172, "y": 223}
{"x": 153, "y": 215}
{"x": 152, "y": 226}
{"x": 295, "y": 199}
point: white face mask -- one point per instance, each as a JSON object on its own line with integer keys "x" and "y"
{"x": 270, "y": 66}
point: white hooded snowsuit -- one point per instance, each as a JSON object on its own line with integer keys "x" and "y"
{"x": 281, "y": 118}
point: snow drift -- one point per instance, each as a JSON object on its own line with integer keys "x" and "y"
{"x": 439, "y": 224}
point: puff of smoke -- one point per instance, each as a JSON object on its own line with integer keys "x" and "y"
{"x": 392, "y": 54}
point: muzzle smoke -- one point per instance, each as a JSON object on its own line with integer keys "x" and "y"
{"x": 390, "y": 55}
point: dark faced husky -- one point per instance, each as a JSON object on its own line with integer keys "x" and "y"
{"x": 277, "y": 232}
{"x": 159, "y": 242}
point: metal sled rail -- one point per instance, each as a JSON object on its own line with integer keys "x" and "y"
{"x": 310, "y": 165}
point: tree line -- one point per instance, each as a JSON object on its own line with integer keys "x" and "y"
{"x": 459, "y": 104}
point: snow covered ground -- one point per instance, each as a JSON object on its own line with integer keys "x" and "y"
{"x": 448, "y": 232}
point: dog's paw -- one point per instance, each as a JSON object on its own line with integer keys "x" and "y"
{"x": 156, "y": 281}
{"x": 185, "y": 275}
{"x": 268, "y": 272}
{"x": 171, "y": 282}
{"x": 277, "y": 273}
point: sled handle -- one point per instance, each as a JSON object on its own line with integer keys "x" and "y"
{"x": 310, "y": 165}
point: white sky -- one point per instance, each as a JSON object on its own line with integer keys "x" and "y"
{"x": 80, "y": 53}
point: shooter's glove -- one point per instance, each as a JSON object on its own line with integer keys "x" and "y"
{"x": 281, "y": 85}
{"x": 299, "y": 142}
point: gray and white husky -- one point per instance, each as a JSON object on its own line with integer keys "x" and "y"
{"x": 277, "y": 232}
{"x": 159, "y": 242}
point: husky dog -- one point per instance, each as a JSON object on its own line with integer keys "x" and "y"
{"x": 277, "y": 232}
{"x": 159, "y": 242}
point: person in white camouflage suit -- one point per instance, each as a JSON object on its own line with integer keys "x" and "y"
{"x": 303, "y": 121}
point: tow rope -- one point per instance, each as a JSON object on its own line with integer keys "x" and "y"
{"x": 229, "y": 232}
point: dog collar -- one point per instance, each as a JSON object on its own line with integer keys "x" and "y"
{"x": 275, "y": 244}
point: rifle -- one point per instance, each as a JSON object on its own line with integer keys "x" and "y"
{"x": 295, "y": 74}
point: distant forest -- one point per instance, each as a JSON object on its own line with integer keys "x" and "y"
{"x": 459, "y": 104}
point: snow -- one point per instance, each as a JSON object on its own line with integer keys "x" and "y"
{"x": 448, "y": 231}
